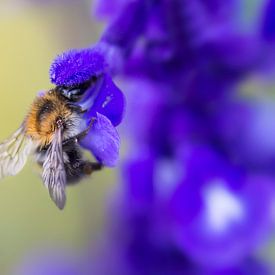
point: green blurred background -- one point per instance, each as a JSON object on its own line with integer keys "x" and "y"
{"x": 32, "y": 33}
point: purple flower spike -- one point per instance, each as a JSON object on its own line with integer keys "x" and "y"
{"x": 77, "y": 66}
{"x": 103, "y": 141}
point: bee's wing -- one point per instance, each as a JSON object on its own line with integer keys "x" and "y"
{"x": 14, "y": 153}
{"x": 54, "y": 175}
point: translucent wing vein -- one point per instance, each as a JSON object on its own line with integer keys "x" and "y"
{"x": 54, "y": 175}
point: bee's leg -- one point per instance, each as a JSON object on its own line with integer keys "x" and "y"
{"x": 69, "y": 143}
{"x": 76, "y": 138}
{"x": 78, "y": 169}
{"x": 90, "y": 167}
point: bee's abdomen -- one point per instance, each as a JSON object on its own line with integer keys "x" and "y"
{"x": 77, "y": 167}
{"x": 74, "y": 165}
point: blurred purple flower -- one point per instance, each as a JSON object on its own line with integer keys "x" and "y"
{"x": 268, "y": 24}
{"x": 127, "y": 26}
{"x": 189, "y": 62}
{"x": 149, "y": 97}
{"x": 249, "y": 266}
{"x": 247, "y": 132}
{"x": 103, "y": 9}
{"x": 218, "y": 213}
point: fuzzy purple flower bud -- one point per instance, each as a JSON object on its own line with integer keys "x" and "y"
{"x": 77, "y": 66}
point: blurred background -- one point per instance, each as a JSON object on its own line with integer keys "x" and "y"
{"x": 151, "y": 203}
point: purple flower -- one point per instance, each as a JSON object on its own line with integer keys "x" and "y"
{"x": 102, "y": 99}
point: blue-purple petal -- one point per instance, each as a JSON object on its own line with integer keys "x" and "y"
{"x": 105, "y": 98}
{"x": 103, "y": 141}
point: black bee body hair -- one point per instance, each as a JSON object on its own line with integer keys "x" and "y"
{"x": 76, "y": 166}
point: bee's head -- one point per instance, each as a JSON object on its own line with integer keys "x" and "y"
{"x": 47, "y": 114}
{"x": 74, "y": 93}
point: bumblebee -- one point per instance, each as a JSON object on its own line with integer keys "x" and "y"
{"x": 51, "y": 132}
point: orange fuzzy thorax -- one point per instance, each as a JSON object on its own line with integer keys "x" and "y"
{"x": 40, "y": 123}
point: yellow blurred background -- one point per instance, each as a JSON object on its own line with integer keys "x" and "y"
{"x": 32, "y": 33}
